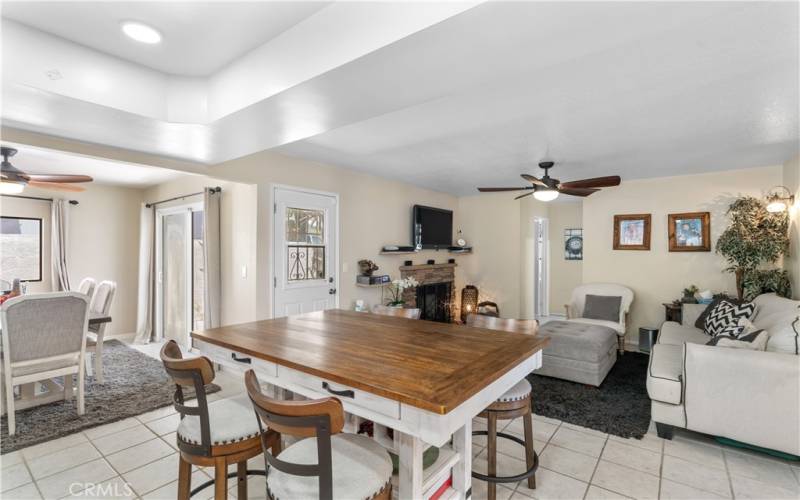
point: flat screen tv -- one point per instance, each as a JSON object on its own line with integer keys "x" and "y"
{"x": 432, "y": 227}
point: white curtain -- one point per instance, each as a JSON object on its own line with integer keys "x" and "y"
{"x": 212, "y": 305}
{"x": 145, "y": 318}
{"x": 59, "y": 217}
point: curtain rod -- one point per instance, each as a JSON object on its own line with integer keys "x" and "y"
{"x": 71, "y": 202}
{"x": 213, "y": 190}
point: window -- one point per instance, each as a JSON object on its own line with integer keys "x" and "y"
{"x": 20, "y": 249}
{"x": 305, "y": 240}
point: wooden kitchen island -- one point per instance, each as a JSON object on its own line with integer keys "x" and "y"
{"x": 425, "y": 380}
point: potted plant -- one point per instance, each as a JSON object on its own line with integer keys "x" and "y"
{"x": 396, "y": 291}
{"x": 688, "y": 295}
{"x": 754, "y": 238}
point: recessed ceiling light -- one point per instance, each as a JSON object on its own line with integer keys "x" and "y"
{"x": 141, "y": 32}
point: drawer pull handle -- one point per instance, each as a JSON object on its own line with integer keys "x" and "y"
{"x": 241, "y": 360}
{"x": 346, "y": 394}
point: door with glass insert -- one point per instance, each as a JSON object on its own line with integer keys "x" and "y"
{"x": 181, "y": 277}
{"x": 305, "y": 277}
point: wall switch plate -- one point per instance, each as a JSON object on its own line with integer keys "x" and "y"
{"x": 345, "y": 267}
{"x": 244, "y": 271}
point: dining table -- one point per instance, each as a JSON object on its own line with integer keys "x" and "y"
{"x": 420, "y": 383}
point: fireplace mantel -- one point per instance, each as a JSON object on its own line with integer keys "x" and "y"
{"x": 422, "y": 267}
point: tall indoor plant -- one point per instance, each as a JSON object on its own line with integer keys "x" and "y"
{"x": 754, "y": 238}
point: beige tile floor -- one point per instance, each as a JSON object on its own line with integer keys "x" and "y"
{"x": 136, "y": 458}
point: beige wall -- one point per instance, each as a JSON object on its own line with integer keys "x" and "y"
{"x": 373, "y": 212}
{"x": 103, "y": 243}
{"x": 658, "y": 275}
{"x": 791, "y": 179}
{"x": 490, "y": 224}
{"x": 565, "y": 274}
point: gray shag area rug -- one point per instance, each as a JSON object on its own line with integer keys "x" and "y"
{"x": 620, "y": 406}
{"x": 134, "y": 384}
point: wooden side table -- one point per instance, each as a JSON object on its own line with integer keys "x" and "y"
{"x": 673, "y": 312}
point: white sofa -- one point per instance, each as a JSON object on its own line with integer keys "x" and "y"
{"x": 741, "y": 394}
{"x": 574, "y": 310}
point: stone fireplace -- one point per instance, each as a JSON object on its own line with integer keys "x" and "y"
{"x": 436, "y": 294}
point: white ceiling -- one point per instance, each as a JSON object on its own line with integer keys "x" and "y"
{"x": 199, "y": 38}
{"x": 638, "y": 89}
{"x": 45, "y": 161}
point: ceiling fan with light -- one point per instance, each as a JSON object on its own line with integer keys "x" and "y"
{"x": 548, "y": 188}
{"x": 14, "y": 180}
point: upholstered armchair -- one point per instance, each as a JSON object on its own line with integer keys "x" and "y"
{"x": 576, "y": 306}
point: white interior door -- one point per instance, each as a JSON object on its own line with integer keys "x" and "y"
{"x": 305, "y": 258}
{"x": 541, "y": 267}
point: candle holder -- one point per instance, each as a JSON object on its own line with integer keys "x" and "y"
{"x": 469, "y": 301}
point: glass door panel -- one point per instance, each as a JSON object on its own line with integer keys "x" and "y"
{"x": 174, "y": 279}
{"x": 198, "y": 272}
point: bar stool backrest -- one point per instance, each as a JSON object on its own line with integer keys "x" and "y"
{"x": 320, "y": 418}
{"x": 195, "y": 373}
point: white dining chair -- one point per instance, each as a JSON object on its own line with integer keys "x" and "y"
{"x": 44, "y": 336}
{"x": 101, "y": 304}
{"x": 87, "y": 287}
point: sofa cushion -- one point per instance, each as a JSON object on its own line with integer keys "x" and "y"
{"x": 785, "y": 339}
{"x": 724, "y": 314}
{"x": 665, "y": 372}
{"x": 768, "y": 304}
{"x": 674, "y": 334}
{"x": 755, "y": 340}
{"x": 777, "y": 317}
{"x": 602, "y": 307}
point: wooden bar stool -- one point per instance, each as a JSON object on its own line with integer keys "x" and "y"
{"x": 346, "y": 466}
{"x": 516, "y": 402}
{"x": 213, "y": 435}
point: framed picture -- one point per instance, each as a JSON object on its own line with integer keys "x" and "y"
{"x": 573, "y": 244}
{"x": 632, "y": 232}
{"x": 689, "y": 232}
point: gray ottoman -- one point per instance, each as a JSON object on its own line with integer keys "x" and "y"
{"x": 578, "y": 352}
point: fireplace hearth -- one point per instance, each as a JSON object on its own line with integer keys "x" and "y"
{"x": 435, "y": 294}
{"x": 433, "y": 301}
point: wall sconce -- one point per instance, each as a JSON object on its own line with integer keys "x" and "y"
{"x": 469, "y": 301}
{"x": 779, "y": 199}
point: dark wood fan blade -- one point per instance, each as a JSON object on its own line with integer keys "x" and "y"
{"x": 59, "y": 178}
{"x": 596, "y": 182}
{"x": 494, "y": 190}
{"x": 533, "y": 180}
{"x": 578, "y": 191}
{"x": 56, "y": 186}
{"x": 523, "y": 196}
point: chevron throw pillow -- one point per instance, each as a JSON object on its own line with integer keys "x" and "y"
{"x": 726, "y": 314}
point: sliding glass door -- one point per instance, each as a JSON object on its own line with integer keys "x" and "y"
{"x": 181, "y": 277}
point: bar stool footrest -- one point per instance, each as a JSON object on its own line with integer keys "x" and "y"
{"x": 507, "y": 479}
{"x": 230, "y": 475}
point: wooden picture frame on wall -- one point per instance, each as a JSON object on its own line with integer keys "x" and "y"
{"x": 689, "y": 232}
{"x": 632, "y": 232}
